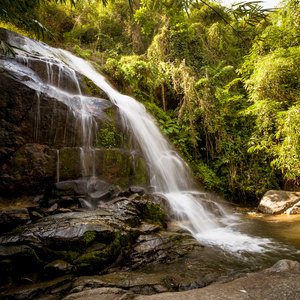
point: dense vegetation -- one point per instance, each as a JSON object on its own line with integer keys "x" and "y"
{"x": 223, "y": 84}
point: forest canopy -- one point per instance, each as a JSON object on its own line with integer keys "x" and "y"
{"x": 222, "y": 83}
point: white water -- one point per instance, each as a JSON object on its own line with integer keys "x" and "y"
{"x": 205, "y": 219}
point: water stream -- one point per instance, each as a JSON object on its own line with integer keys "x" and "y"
{"x": 195, "y": 210}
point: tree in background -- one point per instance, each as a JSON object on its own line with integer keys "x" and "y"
{"x": 222, "y": 83}
{"x": 272, "y": 77}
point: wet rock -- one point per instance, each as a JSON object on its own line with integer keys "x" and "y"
{"x": 36, "y": 215}
{"x": 276, "y": 202}
{"x": 100, "y": 195}
{"x": 14, "y": 174}
{"x": 71, "y": 187}
{"x": 91, "y": 241}
{"x": 101, "y": 294}
{"x": 62, "y": 210}
{"x": 12, "y": 218}
{"x": 126, "y": 193}
{"x": 162, "y": 201}
{"x": 16, "y": 260}
{"x": 15, "y": 212}
{"x": 51, "y": 209}
{"x": 285, "y": 265}
{"x": 137, "y": 190}
{"x": 37, "y": 290}
{"x": 135, "y": 196}
{"x": 133, "y": 281}
{"x": 97, "y": 184}
{"x": 266, "y": 285}
{"x": 162, "y": 247}
{"x": 175, "y": 227}
{"x": 86, "y": 204}
{"x": 58, "y": 268}
{"x": 40, "y": 129}
{"x": 149, "y": 228}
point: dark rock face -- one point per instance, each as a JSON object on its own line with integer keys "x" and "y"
{"x": 48, "y": 126}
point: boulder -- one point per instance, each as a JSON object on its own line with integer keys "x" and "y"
{"x": 58, "y": 268}
{"x": 294, "y": 210}
{"x": 277, "y": 202}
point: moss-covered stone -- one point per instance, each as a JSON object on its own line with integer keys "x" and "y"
{"x": 80, "y": 244}
{"x": 108, "y": 137}
{"x": 68, "y": 163}
{"x": 139, "y": 172}
{"x": 89, "y": 237}
{"x": 152, "y": 213}
{"x": 117, "y": 167}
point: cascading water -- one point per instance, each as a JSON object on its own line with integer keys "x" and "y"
{"x": 169, "y": 174}
{"x": 59, "y": 82}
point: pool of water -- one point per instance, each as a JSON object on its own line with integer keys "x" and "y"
{"x": 257, "y": 242}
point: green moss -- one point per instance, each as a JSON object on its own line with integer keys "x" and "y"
{"x": 110, "y": 112}
{"x": 139, "y": 172}
{"x": 29, "y": 257}
{"x": 89, "y": 237}
{"x": 67, "y": 159}
{"x": 134, "y": 222}
{"x": 100, "y": 259}
{"x": 68, "y": 256}
{"x": 108, "y": 137}
{"x": 117, "y": 167}
{"x": 178, "y": 239}
{"x": 152, "y": 213}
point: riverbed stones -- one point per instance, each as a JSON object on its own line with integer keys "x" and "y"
{"x": 277, "y": 202}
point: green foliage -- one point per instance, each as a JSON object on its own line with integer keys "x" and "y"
{"x": 86, "y": 54}
{"x": 222, "y": 84}
{"x": 272, "y": 74}
{"x": 207, "y": 177}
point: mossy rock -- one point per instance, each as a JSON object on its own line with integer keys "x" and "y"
{"x": 152, "y": 213}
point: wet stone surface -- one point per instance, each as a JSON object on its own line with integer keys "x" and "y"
{"x": 116, "y": 243}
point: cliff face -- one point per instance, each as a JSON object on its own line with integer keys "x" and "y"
{"x": 49, "y": 122}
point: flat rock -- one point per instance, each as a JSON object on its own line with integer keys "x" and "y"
{"x": 101, "y": 294}
{"x": 67, "y": 226}
{"x": 270, "y": 284}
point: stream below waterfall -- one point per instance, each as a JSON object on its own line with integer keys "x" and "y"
{"x": 274, "y": 237}
{"x": 234, "y": 241}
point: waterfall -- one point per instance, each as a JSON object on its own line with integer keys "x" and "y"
{"x": 195, "y": 210}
